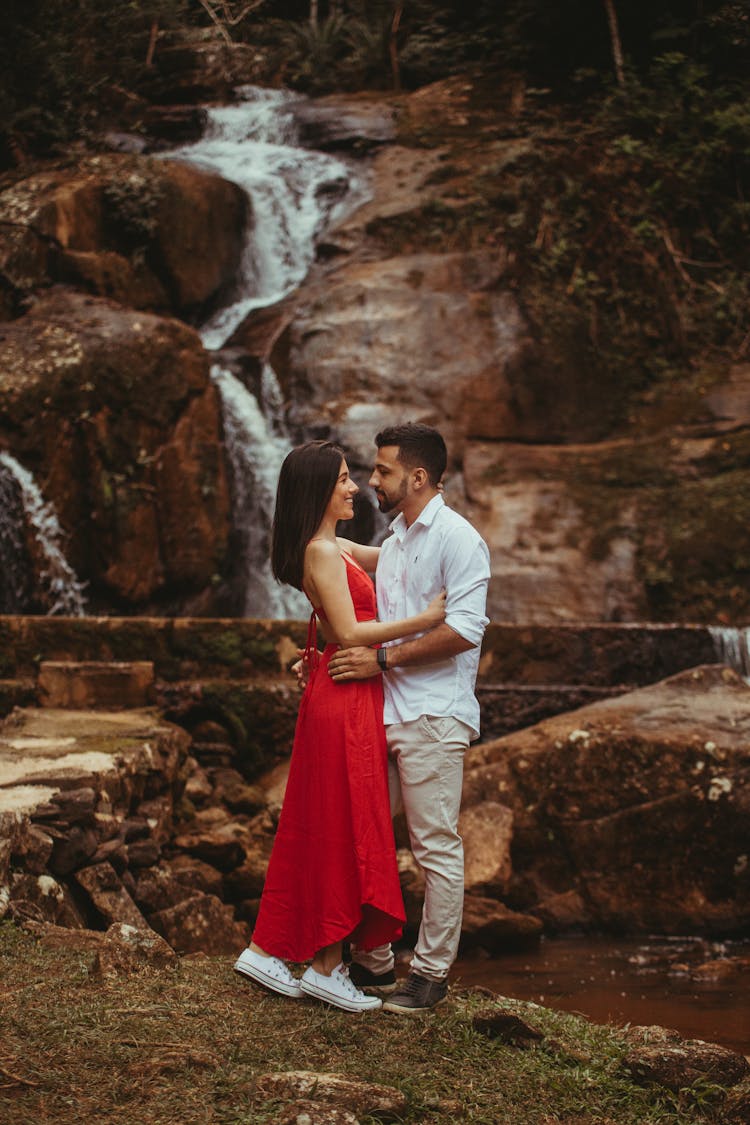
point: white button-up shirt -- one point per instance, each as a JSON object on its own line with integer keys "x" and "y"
{"x": 440, "y": 550}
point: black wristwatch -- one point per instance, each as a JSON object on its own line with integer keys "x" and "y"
{"x": 382, "y": 659}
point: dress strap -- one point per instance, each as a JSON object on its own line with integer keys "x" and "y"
{"x": 312, "y": 656}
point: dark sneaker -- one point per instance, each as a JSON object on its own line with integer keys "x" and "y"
{"x": 416, "y": 995}
{"x": 377, "y": 984}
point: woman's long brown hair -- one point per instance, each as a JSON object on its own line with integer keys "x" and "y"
{"x": 306, "y": 483}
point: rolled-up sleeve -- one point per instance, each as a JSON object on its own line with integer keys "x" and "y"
{"x": 466, "y": 574}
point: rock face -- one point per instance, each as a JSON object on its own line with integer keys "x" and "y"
{"x": 612, "y": 531}
{"x": 114, "y": 411}
{"x": 429, "y": 334}
{"x": 416, "y": 308}
{"x": 410, "y": 315}
{"x": 150, "y": 234}
{"x": 630, "y": 814}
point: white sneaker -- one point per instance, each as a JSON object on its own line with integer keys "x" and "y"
{"x": 269, "y": 971}
{"x": 338, "y": 990}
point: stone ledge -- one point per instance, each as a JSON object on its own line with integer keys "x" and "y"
{"x": 96, "y": 684}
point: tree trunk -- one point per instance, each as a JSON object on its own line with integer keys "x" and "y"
{"x": 152, "y": 42}
{"x": 313, "y": 13}
{"x": 615, "y": 43}
{"x": 393, "y": 46}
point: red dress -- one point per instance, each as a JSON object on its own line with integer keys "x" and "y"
{"x": 333, "y": 873}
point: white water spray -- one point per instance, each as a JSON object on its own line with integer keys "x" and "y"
{"x": 733, "y": 648}
{"x": 295, "y": 194}
{"x": 256, "y": 454}
{"x": 57, "y": 576}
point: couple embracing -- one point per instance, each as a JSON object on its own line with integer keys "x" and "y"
{"x": 387, "y": 713}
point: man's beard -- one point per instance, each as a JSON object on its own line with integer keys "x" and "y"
{"x": 388, "y": 501}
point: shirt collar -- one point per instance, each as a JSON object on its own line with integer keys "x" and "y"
{"x": 425, "y": 517}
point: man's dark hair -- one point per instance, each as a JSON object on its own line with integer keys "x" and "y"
{"x": 419, "y": 447}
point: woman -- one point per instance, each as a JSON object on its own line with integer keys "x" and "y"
{"x": 332, "y": 874}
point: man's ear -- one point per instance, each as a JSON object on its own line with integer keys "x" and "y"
{"x": 420, "y": 478}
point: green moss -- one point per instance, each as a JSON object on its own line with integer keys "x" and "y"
{"x": 260, "y": 716}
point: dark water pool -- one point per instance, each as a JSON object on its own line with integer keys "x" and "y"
{"x": 699, "y": 987}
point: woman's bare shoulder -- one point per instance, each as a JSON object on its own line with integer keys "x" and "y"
{"x": 322, "y": 552}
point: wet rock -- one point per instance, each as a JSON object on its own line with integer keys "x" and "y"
{"x": 334, "y": 123}
{"x": 592, "y": 791}
{"x": 200, "y": 924}
{"x": 426, "y": 322}
{"x": 303, "y": 1112}
{"x": 676, "y": 1065}
{"x": 487, "y": 831}
{"x": 177, "y": 124}
{"x": 220, "y": 848}
{"x": 31, "y": 849}
{"x": 721, "y": 968}
{"x": 81, "y": 775}
{"x": 42, "y": 898}
{"x": 360, "y": 1098}
{"x": 506, "y": 1026}
{"x": 490, "y": 924}
{"x": 117, "y": 412}
{"x": 562, "y": 913}
{"x": 736, "y": 1108}
{"x": 72, "y": 850}
{"x": 143, "y": 853}
{"x": 108, "y": 896}
{"x": 148, "y": 233}
{"x": 231, "y": 790}
{"x": 125, "y": 949}
{"x": 247, "y": 880}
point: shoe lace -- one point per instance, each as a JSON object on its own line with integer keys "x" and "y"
{"x": 348, "y": 985}
{"x": 412, "y": 985}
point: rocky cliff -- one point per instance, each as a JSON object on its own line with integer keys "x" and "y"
{"x": 601, "y": 501}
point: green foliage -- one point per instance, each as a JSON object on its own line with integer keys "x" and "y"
{"x": 635, "y": 214}
{"x": 62, "y": 64}
{"x": 311, "y": 53}
{"x": 132, "y": 203}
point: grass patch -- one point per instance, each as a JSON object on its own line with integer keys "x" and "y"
{"x": 186, "y": 1045}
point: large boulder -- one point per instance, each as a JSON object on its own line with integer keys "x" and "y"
{"x": 630, "y": 814}
{"x": 628, "y": 530}
{"x": 115, "y": 414}
{"x": 152, "y": 234}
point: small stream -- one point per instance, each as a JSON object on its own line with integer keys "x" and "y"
{"x": 656, "y": 980}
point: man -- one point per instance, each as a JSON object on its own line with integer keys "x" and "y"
{"x": 431, "y": 712}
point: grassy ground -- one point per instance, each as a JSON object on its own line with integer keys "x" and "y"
{"x": 186, "y": 1045}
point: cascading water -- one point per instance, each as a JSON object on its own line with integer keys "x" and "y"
{"x": 21, "y": 499}
{"x": 733, "y": 648}
{"x": 295, "y": 195}
{"x": 255, "y": 454}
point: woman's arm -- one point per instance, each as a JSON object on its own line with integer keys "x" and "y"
{"x": 367, "y": 557}
{"x": 325, "y": 580}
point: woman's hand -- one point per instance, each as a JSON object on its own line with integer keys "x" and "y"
{"x": 435, "y": 612}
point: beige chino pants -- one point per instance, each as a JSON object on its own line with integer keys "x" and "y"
{"x": 425, "y": 776}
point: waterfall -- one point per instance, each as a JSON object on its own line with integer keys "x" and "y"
{"x": 295, "y": 195}
{"x": 20, "y": 497}
{"x": 255, "y": 455}
{"x": 733, "y": 648}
